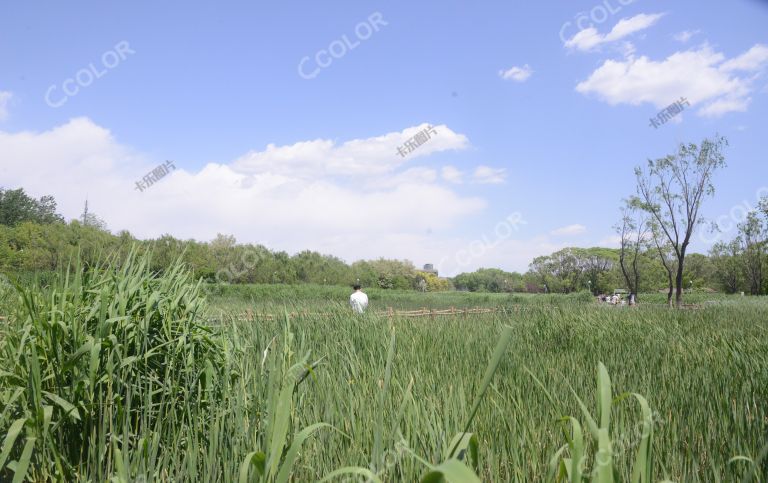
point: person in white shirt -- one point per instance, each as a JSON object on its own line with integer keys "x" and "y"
{"x": 358, "y": 300}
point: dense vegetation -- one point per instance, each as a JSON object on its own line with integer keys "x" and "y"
{"x": 38, "y": 245}
{"x": 129, "y": 360}
{"x": 118, "y": 372}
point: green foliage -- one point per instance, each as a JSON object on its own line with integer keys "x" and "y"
{"x": 317, "y": 298}
{"x": 725, "y": 259}
{"x": 740, "y": 265}
{"x": 32, "y": 242}
{"x": 671, "y": 191}
{"x": 436, "y": 370}
{"x": 113, "y": 347}
{"x": 243, "y": 399}
{"x": 574, "y": 269}
{"x": 433, "y": 283}
{"x": 489, "y": 280}
{"x": 600, "y": 466}
{"x": 31, "y": 247}
{"x": 753, "y": 238}
{"x": 18, "y": 207}
{"x": 386, "y": 274}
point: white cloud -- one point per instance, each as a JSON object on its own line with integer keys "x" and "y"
{"x": 518, "y": 74}
{"x": 569, "y": 230}
{"x": 702, "y": 76}
{"x": 488, "y": 175}
{"x": 753, "y": 60}
{"x": 452, "y": 175}
{"x": 357, "y": 214}
{"x": 358, "y": 157}
{"x": 725, "y": 105}
{"x": 407, "y": 215}
{"x": 590, "y": 38}
{"x": 5, "y": 97}
{"x": 685, "y": 35}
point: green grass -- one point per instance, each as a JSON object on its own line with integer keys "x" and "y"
{"x": 705, "y": 372}
{"x": 128, "y": 375}
{"x": 321, "y": 297}
{"x": 318, "y": 297}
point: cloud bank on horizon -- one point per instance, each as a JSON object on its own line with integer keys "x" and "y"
{"x": 351, "y": 198}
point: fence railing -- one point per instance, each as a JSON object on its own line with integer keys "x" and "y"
{"x": 390, "y": 312}
{"x": 423, "y": 312}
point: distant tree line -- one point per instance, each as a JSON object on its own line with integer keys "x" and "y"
{"x": 34, "y": 239}
{"x": 654, "y": 233}
{"x": 740, "y": 265}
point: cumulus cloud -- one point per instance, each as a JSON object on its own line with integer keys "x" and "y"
{"x": 5, "y": 97}
{"x": 517, "y": 74}
{"x": 589, "y": 38}
{"x": 569, "y": 230}
{"x": 704, "y": 77}
{"x": 488, "y": 175}
{"x": 406, "y": 214}
{"x": 308, "y": 206}
{"x": 325, "y": 157}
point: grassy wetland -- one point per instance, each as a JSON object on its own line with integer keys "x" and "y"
{"x": 384, "y": 242}
{"x": 118, "y": 373}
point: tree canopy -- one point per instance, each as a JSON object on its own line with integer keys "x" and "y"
{"x": 17, "y": 207}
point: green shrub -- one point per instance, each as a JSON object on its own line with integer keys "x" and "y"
{"x": 103, "y": 359}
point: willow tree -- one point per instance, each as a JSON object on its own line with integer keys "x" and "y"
{"x": 633, "y": 233}
{"x": 672, "y": 190}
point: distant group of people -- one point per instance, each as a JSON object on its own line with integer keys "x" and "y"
{"x": 617, "y": 299}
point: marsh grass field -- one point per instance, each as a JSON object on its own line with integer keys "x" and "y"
{"x": 312, "y": 297}
{"x": 120, "y": 374}
{"x": 704, "y": 371}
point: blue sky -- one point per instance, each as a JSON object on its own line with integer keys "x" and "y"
{"x": 541, "y": 109}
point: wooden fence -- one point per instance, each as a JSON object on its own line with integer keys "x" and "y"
{"x": 423, "y": 312}
{"x": 453, "y": 311}
{"x": 390, "y": 312}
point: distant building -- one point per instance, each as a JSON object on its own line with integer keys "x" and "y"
{"x": 429, "y": 268}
